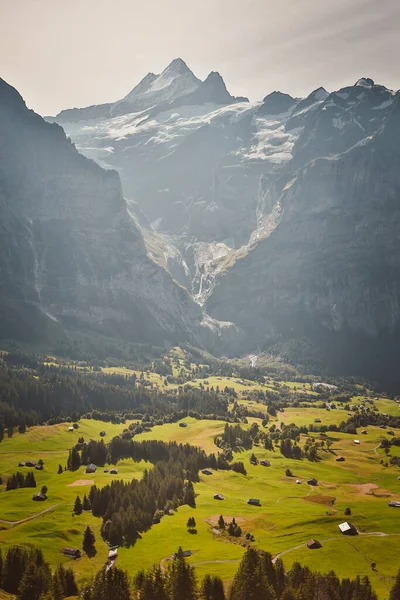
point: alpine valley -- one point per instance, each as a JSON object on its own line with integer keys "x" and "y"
{"x": 240, "y": 227}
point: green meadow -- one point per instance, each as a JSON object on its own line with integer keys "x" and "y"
{"x": 290, "y": 513}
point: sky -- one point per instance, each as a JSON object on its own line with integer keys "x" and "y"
{"x": 72, "y": 53}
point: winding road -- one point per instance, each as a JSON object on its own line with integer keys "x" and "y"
{"x": 14, "y": 523}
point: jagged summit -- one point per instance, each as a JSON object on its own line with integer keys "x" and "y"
{"x": 319, "y": 94}
{"x": 177, "y": 66}
{"x": 175, "y": 81}
{"x": 365, "y": 82}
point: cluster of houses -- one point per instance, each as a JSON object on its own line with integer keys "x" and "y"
{"x": 32, "y": 464}
{"x": 76, "y": 553}
{"x": 345, "y": 528}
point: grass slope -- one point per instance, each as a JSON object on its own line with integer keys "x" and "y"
{"x": 289, "y": 515}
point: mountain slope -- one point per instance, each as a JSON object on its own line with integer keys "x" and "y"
{"x": 70, "y": 254}
{"x": 330, "y": 271}
{"x": 280, "y": 216}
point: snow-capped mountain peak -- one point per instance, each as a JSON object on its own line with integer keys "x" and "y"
{"x": 176, "y": 68}
{"x": 176, "y": 80}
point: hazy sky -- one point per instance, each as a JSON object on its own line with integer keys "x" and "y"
{"x": 66, "y": 53}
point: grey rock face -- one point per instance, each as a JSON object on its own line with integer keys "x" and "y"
{"x": 70, "y": 254}
{"x": 330, "y": 271}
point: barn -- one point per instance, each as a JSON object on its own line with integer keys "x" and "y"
{"x": 73, "y": 552}
{"x": 313, "y": 544}
{"x": 348, "y": 528}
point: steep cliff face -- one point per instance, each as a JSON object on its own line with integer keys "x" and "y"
{"x": 70, "y": 254}
{"x": 330, "y": 271}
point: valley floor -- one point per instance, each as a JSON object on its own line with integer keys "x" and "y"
{"x": 290, "y": 514}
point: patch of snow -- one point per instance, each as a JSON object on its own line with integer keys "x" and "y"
{"x": 329, "y": 104}
{"x": 338, "y": 123}
{"x": 271, "y": 142}
{"x": 156, "y": 224}
{"x": 51, "y": 317}
{"x": 365, "y": 83}
{"x": 384, "y": 104}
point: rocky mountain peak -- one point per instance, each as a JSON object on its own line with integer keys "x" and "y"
{"x": 176, "y": 67}
{"x": 319, "y": 94}
{"x": 365, "y": 82}
{"x": 276, "y": 103}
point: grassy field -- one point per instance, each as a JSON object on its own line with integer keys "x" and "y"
{"x": 289, "y": 514}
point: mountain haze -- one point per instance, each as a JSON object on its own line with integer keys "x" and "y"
{"x": 279, "y": 217}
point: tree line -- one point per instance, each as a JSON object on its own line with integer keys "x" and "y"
{"x": 130, "y": 508}
{"x": 19, "y": 480}
{"x": 257, "y": 578}
{"x": 27, "y": 575}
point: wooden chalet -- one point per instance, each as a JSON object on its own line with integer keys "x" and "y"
{"x": 207, "y": 471}
{"x": 313, "y": 544}
{"x": 348, "y": 528}
{"x": 254, "y": 501}
{"x": 72, "y": 552}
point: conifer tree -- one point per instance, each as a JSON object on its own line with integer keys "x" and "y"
{"x": 60, "y": 470}
{"x": 78, "y": 506}
{"x": 35, "y": 582}
{"x": 212, "y": 588}
{"x": 86, "y": 503}
{"x": 395, "y": 591}
{"x": 88, "y": 539}
{"x": 181, "y": 583}
{"x": 108, "y": 584}
{"x": 71, "y": 588}
{"x": 250, "y": 581}
{"x": 221, "y": 523}
{"x": 189, "y": 495}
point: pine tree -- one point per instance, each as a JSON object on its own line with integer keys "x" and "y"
{"x": 78, "y": 506}
{"x": 88, "y": 539}
{"x": 35, "y": 582}
{"x": 71, "y": 588}
{"x": 221, "y": 523}
{"x": 108, "y": 584}
{"x": 189, "y": 495}
{"x": 74, "y": 460}
{"x": 86, "y": 503}
{"x": 60, "y": 470}
{"x": 57, "y": 587}
{"x": 250, "y": 581}
{"x": 181, "y": 580}
{"x": 30, "y": 480}
{"x": 395, "y": 591}
{"x": 212, "y": 588}
{"x": 14, "y": 566}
